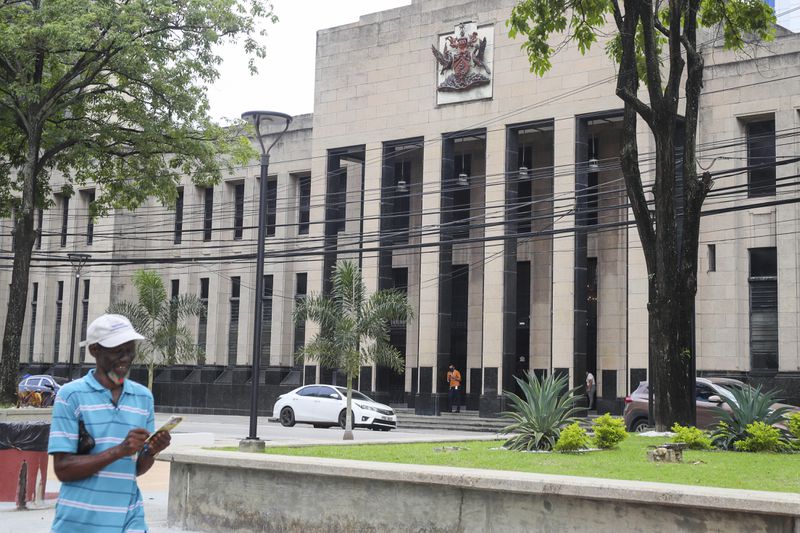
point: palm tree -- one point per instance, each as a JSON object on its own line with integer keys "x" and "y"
{"x": 159, "y": 320}
{"x": 353, "y": 327}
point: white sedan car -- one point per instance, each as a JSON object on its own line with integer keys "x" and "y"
{"x": 324, "y": 406}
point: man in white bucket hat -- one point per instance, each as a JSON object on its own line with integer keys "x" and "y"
{"x": 99, "y": 436}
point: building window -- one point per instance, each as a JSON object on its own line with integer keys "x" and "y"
{"x": 592, "y": 182}
{"x": 64, "y": 219}
{"x": 301, "y": 289}
{"x": 57, "y": 330}
{"x": 238, "y": 211}
{"x": 761, "y": 158}
{"x": 272, "y": 205}
{"x": 172, "y": 346}
{"x": 84, "y": 317}
{"x": 712, "y": 257}
{"x": 179, "y": 217}
{"x": 233, "y": 324}
{"x": 524, "y": 206}
{"x": 32, "y": 333}
{"x": 304, "y": 205}
{"x": 89, "y": 220}
{"x": 461, "y": 195}
{"x": 39, "y": 222}
{"x": 401, "y": 201}
{"x": 208, "y": 212}
{"x": 763, "y": 309}
{"x": 266, "y": 320}
{"x": 175, "y": 287}
{"x": 13, "y": 227}
{"x": 202, "y": 327}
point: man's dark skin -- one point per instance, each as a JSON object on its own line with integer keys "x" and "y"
{"x": 71, "y": 467}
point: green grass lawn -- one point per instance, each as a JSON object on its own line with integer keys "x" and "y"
{"x": 757, "y": 471}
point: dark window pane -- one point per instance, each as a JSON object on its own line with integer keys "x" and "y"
{"x": 179, "y": 217}
{"x": 64, "y": 219}
{"x": 304, "y": 205}
{"x": 84, "y": 317}
{"x": 272, "y": 205}
{"x": 208, "y": 212}
{"x": 238, "y": 215}
{"x": 761, "y": 158}
{"x": 89, "y": 221}
{"x": 233, "y": 325}
{"x": 763, "y": 262}
{"x": 202, "y": 327}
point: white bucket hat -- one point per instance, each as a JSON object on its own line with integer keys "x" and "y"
{"x": 110, "y": 331}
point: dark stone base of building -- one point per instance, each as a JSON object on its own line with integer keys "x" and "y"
{"x": 226, "y": 390}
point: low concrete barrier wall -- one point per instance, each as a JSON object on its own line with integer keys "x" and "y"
{"x": 230, "y": 491}
{"x": 26, "y": 414}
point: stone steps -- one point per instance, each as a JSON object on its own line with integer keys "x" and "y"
{"x": 463, "y": 421}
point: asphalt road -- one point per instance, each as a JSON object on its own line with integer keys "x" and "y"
{"x": 229, "y": 430}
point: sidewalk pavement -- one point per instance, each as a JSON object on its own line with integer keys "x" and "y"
{"x": 37, "y": 519}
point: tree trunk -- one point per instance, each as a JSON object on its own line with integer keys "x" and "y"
{"x": 151, "y": 370}
{"x": 670, "y": 326}
{"x": 24, "y": 239}
{"x": 348, "y": 425}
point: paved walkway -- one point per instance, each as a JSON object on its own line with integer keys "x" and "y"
{"x": 154, "y": 486}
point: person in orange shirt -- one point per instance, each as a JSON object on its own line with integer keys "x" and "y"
{"x": 454, "y": 379}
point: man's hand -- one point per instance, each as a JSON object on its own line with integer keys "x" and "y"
{"x": 134, "y": 442}
{"x": 159, "y": 442}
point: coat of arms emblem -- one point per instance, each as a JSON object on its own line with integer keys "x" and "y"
{"x": 463, "y": 53}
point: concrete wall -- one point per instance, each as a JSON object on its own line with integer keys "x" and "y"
{"x": 231, "y": 491}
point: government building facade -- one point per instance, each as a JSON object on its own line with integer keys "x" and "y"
{"x": 492, "y": 197}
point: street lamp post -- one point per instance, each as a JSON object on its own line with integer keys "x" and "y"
{"x": 260, "y": 119}
{"x": 77, "y": 261}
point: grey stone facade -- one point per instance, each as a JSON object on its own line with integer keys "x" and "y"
{"x": 499, "y": 277}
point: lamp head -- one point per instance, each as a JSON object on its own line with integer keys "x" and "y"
{"x": 261, "y": 120}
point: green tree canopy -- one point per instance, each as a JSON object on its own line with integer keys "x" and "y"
{"x": 655, "y": 42}
{"x": 110, "y": 93}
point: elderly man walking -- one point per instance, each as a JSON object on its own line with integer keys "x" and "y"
{"x": 99, "y": 437}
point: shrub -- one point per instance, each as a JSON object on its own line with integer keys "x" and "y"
{"x": 572, "y": 439}
{"x": 538, "y": 419}
{"x": 694, "y": 438}
{"x": 748, "y": 405}
{"x": 761, "y": 438}
{"x": 608, "y": 431}
{"x": 793, "y": 424}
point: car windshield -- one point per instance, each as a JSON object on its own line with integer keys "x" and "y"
{"x": 356, "y": 395}
{"x": 724, "y": 390}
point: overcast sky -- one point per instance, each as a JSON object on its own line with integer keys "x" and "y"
{"x": 285, "y": 80}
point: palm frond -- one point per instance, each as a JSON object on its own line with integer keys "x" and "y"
{"x": 150, "y": 290}
{"x": 134, "y": 312}
{"x": 348, "y": 287}
{"x": 383, "y": 354}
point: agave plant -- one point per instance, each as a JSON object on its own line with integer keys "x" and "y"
{"x": 748, "y": 405}
{"x": 548, "y": 407}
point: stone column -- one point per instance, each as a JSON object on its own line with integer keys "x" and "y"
{"x": 493, "y": 275}
{"x": 428, "y": 316}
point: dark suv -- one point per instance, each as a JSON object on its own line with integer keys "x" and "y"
{"x": 710, "y": 392}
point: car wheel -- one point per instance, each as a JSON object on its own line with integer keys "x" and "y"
{"x": 343, "y": 419}
{"x": 287, "y": 417}
{"x": 640, "y": 425}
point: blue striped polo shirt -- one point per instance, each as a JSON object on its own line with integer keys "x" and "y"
{"x": 109, "y": 501}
